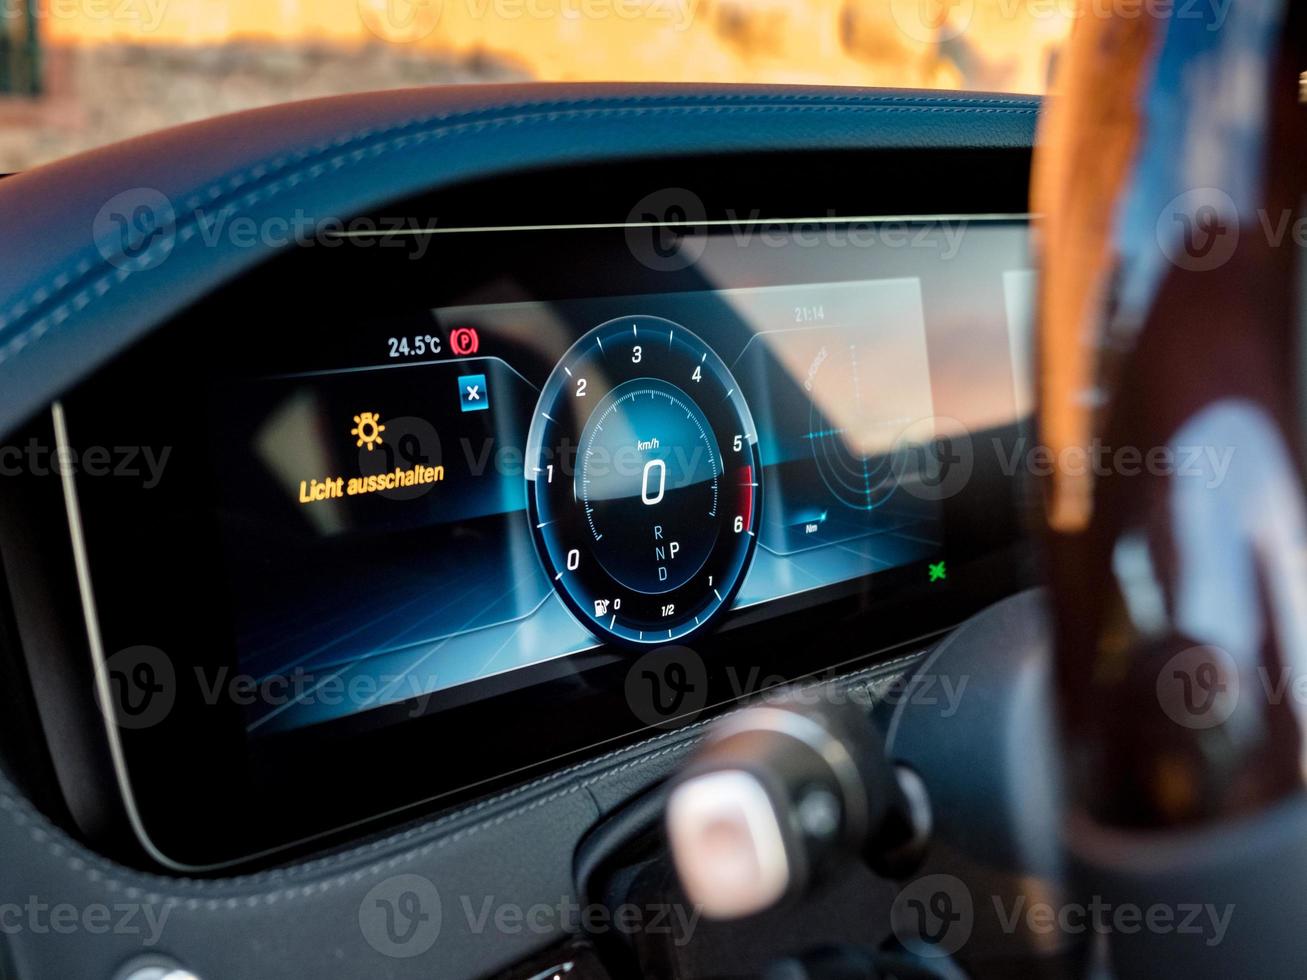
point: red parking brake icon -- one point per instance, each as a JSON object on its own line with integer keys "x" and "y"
{"x": 464, "y": 341}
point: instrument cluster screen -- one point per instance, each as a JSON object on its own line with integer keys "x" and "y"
{"x": 501, "y": 485}
{"x": 493, "y": 499}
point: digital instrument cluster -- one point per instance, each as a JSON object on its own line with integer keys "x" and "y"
{"x": 604, "y": 473}
{"x": 472, "y": 512}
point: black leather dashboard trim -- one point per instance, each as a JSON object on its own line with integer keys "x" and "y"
{"x": 301, "y": 920}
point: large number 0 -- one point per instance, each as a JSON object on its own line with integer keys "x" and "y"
{"x": 573, "y": 560}
{"x": 652, "y": 498}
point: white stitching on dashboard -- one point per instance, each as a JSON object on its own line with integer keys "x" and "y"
{"x": 551, "y": 113}
{"x": 636, "y": 750}
{"x": 100, "y": 871}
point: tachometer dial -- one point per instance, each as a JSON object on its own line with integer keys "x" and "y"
{"x": 643, "y": 481}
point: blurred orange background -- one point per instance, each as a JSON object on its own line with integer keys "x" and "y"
{"x": 107, "y": 69}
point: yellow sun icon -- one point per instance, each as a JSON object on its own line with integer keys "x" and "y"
{"x": 368, "y": 429}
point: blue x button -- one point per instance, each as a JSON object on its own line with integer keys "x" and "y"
{"x": 472, "y": 393}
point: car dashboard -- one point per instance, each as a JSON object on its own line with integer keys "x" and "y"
{"x": 420, "y": 489}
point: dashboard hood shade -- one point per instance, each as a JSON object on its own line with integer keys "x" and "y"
{"x": 103, "y": 246}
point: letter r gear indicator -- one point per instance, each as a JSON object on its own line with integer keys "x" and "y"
{"x": 648, "y": 524}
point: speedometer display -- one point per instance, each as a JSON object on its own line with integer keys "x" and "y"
{"x": 643, "y": 481}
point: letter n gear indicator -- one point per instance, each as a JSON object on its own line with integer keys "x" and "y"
{"x": 642, "y": 481}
